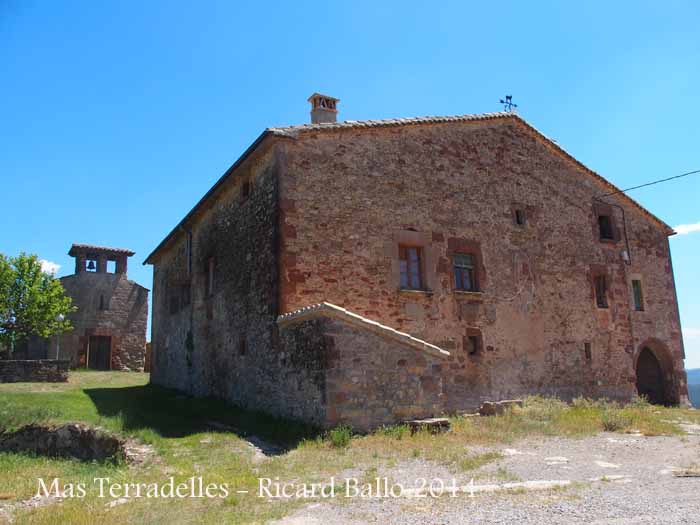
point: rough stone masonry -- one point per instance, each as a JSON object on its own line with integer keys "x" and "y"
{"x": 109, "y": 326}
{"x": 366, "y": 272}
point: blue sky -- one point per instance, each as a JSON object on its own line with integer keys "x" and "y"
{"x": 117, "y": 116}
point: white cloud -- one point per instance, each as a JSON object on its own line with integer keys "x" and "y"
{"x": 49, "y": 267}
{"x": 683, "y": 229}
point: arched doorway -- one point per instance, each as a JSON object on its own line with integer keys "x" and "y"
{"x": 650, "y": 378}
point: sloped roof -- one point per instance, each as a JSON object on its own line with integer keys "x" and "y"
{"x": 356, "y": 124}
{"x": 336, "y": 312}
{"x": 296, "y": 130}
{"x": 76, "y": 248}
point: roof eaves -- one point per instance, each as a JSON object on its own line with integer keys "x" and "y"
{"x": 336, "y": 312}
{"x": 92, "y": 247}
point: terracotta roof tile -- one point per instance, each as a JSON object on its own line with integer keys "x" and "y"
{"x": 76, "y": 247}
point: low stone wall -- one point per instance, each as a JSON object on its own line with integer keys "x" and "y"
{"x": 34, "y": 371}
{"x": 368, "y": 374}
{"x": 376, "y": 380}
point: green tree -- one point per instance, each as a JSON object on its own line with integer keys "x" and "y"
{"x": 32, "y": 302}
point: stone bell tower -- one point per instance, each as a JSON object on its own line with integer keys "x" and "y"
{"x": 109, "y": 325}
{"x": 95, "y": 258}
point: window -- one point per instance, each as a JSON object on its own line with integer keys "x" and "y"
{"x": 410, "y": 267}
{"x": 210, "y": 277}
{"x": 102, "y": 303}
{"x": 605, "y": 228}
{"x": 241, "y": 345}
{"x": 188, "y": 248}
{"x": 601, "y": 291}
{"x": 245, "y": 189}
{"x": 465, "y": 272}
{"x": 111, "y": 266}
{"x": 638, "y": 295}
{"x": 587, "y": 351}
{"x": 519, "y": 217}
{"x": 174, "y": 304}
{"x": 472, "y": 344}
{"x": 185, "y": 294}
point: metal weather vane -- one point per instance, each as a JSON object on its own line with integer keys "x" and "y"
{"x": 508, "y": 104}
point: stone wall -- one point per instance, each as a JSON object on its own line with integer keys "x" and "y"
{"x": 109, "y": 305}
{"x": 318, "y": 216}
{"x": 34, "y": 371}
{"x": 351, "y": 196}
{"x": 364, "y": 374}
{"x": 223, "y": 341}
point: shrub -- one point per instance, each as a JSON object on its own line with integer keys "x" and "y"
{"x": 540, "y": 408}
{"x": 614, "y": 421}
{"x": 640, "y": 403}
{"x": 340, "y": 436}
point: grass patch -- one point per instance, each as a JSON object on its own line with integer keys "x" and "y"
{"x": 187, "y": 444}
{"x": 477, "y": 461}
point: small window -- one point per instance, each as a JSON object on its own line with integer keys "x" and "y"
{"x": 587, "y": 351}
{"x": 410, "y": 267}
{"x": 91, "y": 265}
{"x": 638, "y": 295}
{"x": 601, "y": 291}
{"x": 185, "y": 294}
{"x": 519, "y": 217}
{"x": 473, "y": 345}
{"x": 102, "y": 302}
{"x": 210, "y": 277}
{"x": 605, "y": 227}
{"x": 245, "y": 189}
{"x": 111, "y": 266}
{"x": 465, "y": 272}
{"x": 174, "y": 304}
{"x": 188, "y": 248}
{"x": 242, "y": 345}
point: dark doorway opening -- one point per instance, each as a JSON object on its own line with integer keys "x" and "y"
{"x": 100, "y": 352}
{"x": 650, "y": 378}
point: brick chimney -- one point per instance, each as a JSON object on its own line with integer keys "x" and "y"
{"x": 323, "y": 108}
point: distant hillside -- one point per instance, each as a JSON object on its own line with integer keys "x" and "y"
{"x": 694, "y": 393}
{"x": 693, "y": 376}
{"x": 694, "y": 386}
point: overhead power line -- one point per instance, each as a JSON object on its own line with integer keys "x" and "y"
{"x": 652, "y": 183}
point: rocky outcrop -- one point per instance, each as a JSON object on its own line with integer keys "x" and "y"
{"x": 73, "y": 440}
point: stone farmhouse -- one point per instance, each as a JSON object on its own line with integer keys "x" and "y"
{"x": 369, "y": 272}
{"x": 109, "y": 325}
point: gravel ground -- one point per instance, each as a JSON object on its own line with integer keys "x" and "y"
{"x": 615, "y": 479}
